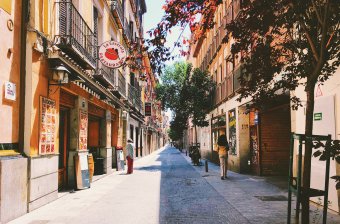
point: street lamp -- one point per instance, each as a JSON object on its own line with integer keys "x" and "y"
{"x": 60, "y": 75}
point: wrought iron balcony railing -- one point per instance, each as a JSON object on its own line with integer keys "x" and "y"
{"x": 75, "y": 36}
{"x": 127, "y": 31}
{"x": 106, "y": 75}
{"x": 118, "y": 12}
{"x": 134, "y": 97}
{"x": 120, "y": 84}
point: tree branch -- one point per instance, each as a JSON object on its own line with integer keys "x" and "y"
{"x": 317, "y": 12}
{"x": 331, "y": 37}
{"x": 310, "y": 40}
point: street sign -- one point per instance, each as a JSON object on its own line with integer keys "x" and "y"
{"x": 317, "y": 116}
{"x": 112, "y": 54}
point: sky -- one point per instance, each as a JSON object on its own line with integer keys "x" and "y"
{"x": 151, "y": 18}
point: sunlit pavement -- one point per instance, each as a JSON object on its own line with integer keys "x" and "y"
{"x": 166, "y": 188}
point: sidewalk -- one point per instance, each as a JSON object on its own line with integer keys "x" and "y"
{"x": 166, "y": 188}
{"x": 259, "y": 199}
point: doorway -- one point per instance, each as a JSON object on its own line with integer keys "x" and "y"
{"x": 63, "y": 147}
{"x": 254, "y": 143}
{"x": 137, "y": 142}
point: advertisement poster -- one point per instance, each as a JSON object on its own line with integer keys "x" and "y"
{"x": 83, "y": 122}
{"x": 47, "y": 131}
{"x": 232, "y": 131}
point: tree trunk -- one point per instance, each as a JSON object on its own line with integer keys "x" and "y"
{"x": 308, "y": 154}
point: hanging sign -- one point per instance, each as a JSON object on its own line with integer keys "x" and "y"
{"x": 147, "y": 109}
{"x": 112, "y": 54}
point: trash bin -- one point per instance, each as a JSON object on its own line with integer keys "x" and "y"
{"x": 98, "y": 166}
{"x": 120, "y": 158}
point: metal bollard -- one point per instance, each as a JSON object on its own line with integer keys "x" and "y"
{"x": 186, "y": 153}
{"x": 206, "y": 165}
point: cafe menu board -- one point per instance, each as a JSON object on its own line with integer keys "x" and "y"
{"x": 48, "y": 120}
{"x": 83, "y": 122}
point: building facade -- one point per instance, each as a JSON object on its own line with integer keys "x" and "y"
{"x": 259, "y": 139}
{"x": 60, "y": 103}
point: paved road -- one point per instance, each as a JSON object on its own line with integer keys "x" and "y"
{"x": 166, "y": 188}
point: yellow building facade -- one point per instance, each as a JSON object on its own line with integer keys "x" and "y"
{"x": 60, "y": 105}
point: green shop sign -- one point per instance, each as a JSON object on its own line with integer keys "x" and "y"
{"x": 317, "y": 116}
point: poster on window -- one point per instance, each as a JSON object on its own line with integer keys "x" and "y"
{"x": 232, "y": 131}
{"x": 83, "y": 122}
{"x": 47, "y": 128}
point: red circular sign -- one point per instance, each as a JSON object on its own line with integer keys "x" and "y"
{"x": 112, "y": 54}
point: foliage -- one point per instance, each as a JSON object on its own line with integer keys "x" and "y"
{"x": 200, "y": 88}
{"x": 186, "y": 93}
{"x": 330, "y": 150}
{"x": 282, "y": 44}
{"x": 179, "y": 13}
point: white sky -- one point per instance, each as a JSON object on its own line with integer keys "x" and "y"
{"x": 154, "y": 15}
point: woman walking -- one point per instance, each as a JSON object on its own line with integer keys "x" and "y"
{"x": 129, "y": 157}
{"x": 223, "y": 148}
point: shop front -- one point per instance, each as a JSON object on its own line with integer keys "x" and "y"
{"x": 218, "y": 128}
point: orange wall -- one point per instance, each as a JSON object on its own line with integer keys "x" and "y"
{"x": 10, "y": 71}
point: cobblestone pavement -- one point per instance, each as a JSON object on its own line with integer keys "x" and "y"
{"x": 166, "y": 188}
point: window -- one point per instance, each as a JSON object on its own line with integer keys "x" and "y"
{"x": 221, "y": 73}
{"x": 131, "y": 132}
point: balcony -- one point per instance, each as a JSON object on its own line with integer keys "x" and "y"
{"x": 127, "y": 32}
{"x": 112, "y": 79}
{"x": 119, "y": 88}
{"x": 229, "y": 84}
{"x": 74, "y": 36}
{"x": 134, "y": 97}
{"x": 105, "y": 75}
{"x": 237, "y": 74}
{"x": 118, "y": 13}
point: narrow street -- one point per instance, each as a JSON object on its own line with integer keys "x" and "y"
{"x": 166, "y": 188}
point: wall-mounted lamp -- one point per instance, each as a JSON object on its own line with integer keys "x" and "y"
{"x": 60, "y": 75}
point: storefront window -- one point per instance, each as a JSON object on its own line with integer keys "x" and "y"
{"x": 218, "y": 127}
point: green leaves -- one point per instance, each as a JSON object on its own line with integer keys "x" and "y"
{"x": 186, "y": 92}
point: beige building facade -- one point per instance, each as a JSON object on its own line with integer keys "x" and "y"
{"x": 259, "y": 139}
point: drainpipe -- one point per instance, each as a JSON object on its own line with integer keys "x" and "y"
{"x": 23, "y": 36}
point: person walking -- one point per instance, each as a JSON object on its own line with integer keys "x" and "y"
{"x": 129, "y": 156}
{"x": 223, "y": 148}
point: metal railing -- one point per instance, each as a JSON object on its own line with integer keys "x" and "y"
{"x": 121, "y": 84}
{"x": 75, "y": 35}
{"x": 127, "y": 31}
{"x": 106, "y": 75}
{"x": 134, "y": 96}
{"x": 118, "y": 12}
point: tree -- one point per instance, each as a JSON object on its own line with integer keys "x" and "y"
{"x": 201, "y": 85}
{"x": 283, "y": 44}
{"x": 187, "y": 93}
